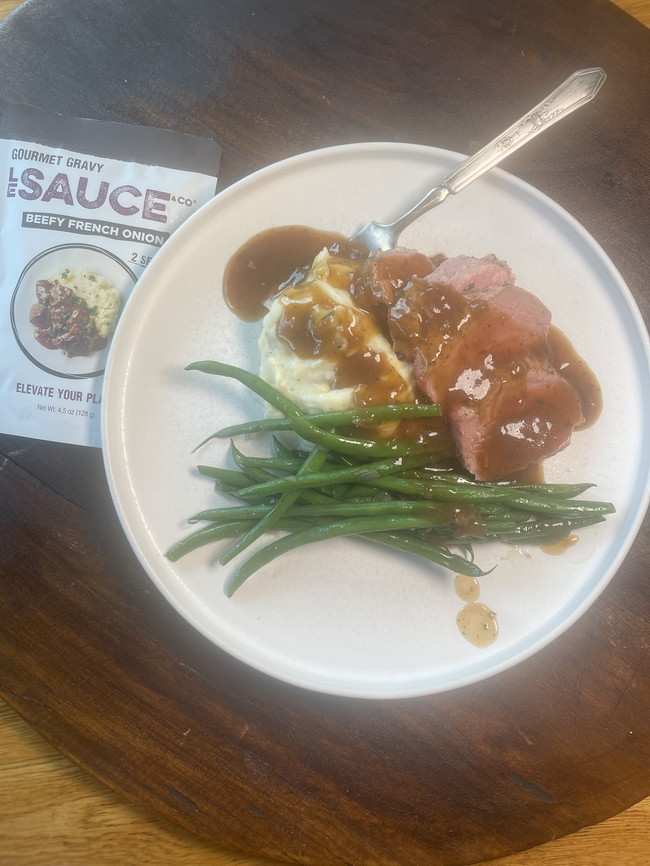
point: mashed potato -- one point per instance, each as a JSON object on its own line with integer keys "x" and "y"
{"x": 326, "y": 354}
{"x": 101, "y": 298}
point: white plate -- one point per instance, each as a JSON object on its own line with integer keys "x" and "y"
{"x": 349, "y": 617}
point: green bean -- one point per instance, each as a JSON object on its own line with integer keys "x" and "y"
{"x": 455, "y": 485}
{"x": 479, "y": 492}
{"x": 284, "y": 459}
{"x": 364, "y": 492}
{"x": 280, "y": 449}
{"x": 336, "y": 491}
{"x": 227, "y": 476}
{"x": 220, "y": 531}
{"x": 236, "y": 483}
{"x": 554, "y": 491}
{"x": 336, "y": 529}
{"x": 232, "y": 482}
{"x": 255, "y": 383}
{"x": 230, "y": 513}
{"x": 327, "y": 420}
{"x": 301, "y": 423}
{"x": 312, "y": 464}
{"x": 434, "y": 512}
{"x": 272, "y": 464}
{"x": 543, "y": 531}
{"x": 439, "y": 554}
{"x": 252, "y": 474}
{"x": 329, "y": 476}
{"x": 540, "y": 505}
{"x": 412, "y": 487}
{"x": 205, "y": 535}
{"x": 355, "y": 445}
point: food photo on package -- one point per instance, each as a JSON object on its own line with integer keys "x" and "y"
{"x": 85, "y": 206}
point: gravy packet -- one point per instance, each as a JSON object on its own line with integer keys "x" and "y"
{"x": 84, "y": 206}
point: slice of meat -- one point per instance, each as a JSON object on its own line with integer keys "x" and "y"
{"x": 387, "y": 274}
{"x": 62, "y": 321}
{"x": 467, "y": 273}
{"x": 520, "y": 424}
{"x": 39, "y": 316}
{"x": 435, "y": 324}
{"x": 48, "y": 292}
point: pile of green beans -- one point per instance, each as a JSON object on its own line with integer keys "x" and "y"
{"x": 390, "y": 492}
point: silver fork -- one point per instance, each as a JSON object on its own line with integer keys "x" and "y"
{"x": 577, "y": 90}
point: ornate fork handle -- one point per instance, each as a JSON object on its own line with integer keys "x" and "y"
{"x": 579, "y": 88}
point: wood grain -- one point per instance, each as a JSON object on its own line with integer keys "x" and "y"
{"x": 67, "y": 817}
{"x": 54, "y": 814}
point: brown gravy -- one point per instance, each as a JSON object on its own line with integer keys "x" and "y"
{"x": 478, "y": 624}
{"x": 467, "y": 588}
{"x": 280, "y": 256}
{"x": 574, "y": 369}
{"x": 273, "y": 259}
{"x": 316, "y": 327}
{"x": 557, "y": 548}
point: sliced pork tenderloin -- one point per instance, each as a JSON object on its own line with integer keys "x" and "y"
{"x": 483, "y": 355}
{"x": 470, "y": 274}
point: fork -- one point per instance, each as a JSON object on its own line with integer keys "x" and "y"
{"x": 577, "y": 90}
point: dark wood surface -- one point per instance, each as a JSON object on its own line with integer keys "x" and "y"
{"x": 91, "y": 654}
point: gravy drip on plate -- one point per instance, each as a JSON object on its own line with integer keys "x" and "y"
{"x": 476, "y": 622}
{"x": 560, "y": 547}
{"x": 273, "y": 259}
{"x": 467, "y": 588}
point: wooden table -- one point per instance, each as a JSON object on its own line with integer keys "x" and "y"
{"x": 55, "y": 814}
